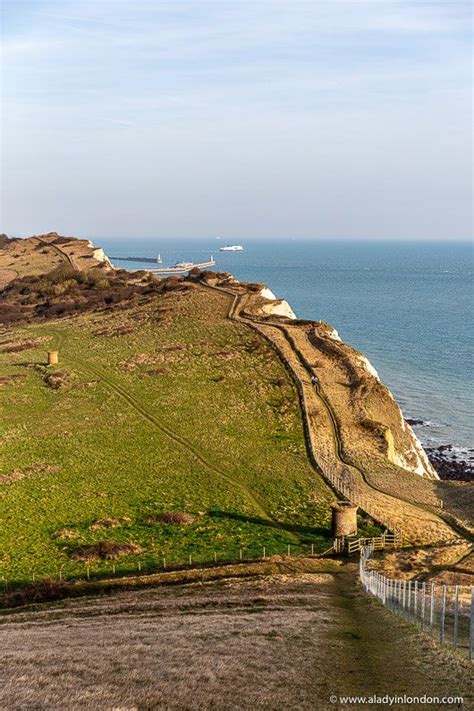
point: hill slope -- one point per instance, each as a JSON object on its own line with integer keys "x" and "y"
{"x": 171, "y": 427}
{"x": 159, "y": 403}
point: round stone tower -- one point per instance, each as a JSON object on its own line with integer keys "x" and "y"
{"x": 53, "y": 357}
{"x": 344, "y": 519}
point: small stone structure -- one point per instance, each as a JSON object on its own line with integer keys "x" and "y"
{"x": 344, "y": 519}
{"x": 53, "y": 357}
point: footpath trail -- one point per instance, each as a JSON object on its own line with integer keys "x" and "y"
{"x": 287, "y": 641}
{"x": 417, "y": 522}
{"x": 64, "y": 255}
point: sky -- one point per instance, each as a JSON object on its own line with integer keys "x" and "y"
{"x": 323, "y": 119}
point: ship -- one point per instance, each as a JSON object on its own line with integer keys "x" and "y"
{"x": 231, "y": 248}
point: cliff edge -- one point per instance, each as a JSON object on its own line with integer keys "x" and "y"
{"x": 42, "y": 254}
{"x": 370, "y": 423}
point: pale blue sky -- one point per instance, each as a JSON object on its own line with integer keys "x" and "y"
{"x": 261, "y": 118}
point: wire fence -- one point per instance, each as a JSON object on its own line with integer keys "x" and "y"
{"x": 445, "y": 612}
{"x": 167, "y": 562}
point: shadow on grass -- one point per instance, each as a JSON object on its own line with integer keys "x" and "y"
{"x": 313, "y": 531}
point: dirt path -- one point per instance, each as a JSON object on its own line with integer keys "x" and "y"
{"x": 280, "y": 642}
{"x": 416, "y": 522}
{"x": 58, "y": 250}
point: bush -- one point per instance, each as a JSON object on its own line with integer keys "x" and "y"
{"x": 66, "y": 291}
{"x": 56, "y": 380}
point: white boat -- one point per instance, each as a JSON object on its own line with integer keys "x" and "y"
{"x": 231, "y": 248}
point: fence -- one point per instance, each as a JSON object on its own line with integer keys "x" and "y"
{"x": 181, "y": 561}
{"x": 166, "y": 562}
{"x": 445, "y": 612}
{"x": 354, "y": 545}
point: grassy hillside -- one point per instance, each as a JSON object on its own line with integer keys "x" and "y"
{"x": 165, "y": 406}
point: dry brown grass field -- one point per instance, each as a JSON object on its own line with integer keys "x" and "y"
{"x": 442, "y": 565}
{"x": 286, "y": 641}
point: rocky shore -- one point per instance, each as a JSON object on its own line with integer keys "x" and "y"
{"x": 448, "y": 465}
{"x": 451, "y": 463}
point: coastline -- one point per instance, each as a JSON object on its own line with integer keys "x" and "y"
{"x": 388, "y": 301}
{"x": 452, "y": 463}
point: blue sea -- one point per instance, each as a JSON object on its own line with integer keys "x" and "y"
{"x": 406, "y": 305}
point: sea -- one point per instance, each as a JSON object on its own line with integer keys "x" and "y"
{"x": 407, "y": 306}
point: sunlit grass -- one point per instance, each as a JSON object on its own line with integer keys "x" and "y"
{"x": 187, "y": 411}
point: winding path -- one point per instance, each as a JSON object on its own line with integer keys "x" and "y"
{"x": 416, "y": 523}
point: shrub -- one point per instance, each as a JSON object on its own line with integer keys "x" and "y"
{"x": 11, "y": 313}
{"x": 56, "y": 380}
{"x": 15, "y": 377}
{"x": 62, "y": 273}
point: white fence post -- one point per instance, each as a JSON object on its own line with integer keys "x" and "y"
{"x": 443, "y": 615}
{"x": 423, "y": 605}
{"x": 432, "y": 604}
{"x": 456, "y": 616}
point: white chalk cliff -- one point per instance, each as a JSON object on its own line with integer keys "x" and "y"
{"x": 276, "y": 307}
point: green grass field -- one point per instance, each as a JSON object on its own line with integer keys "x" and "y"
{"x": 164, "y": 407}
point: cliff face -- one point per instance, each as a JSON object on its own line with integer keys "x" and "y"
{"x": 365, "y": 405}
{"x": 275, "y": 307}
